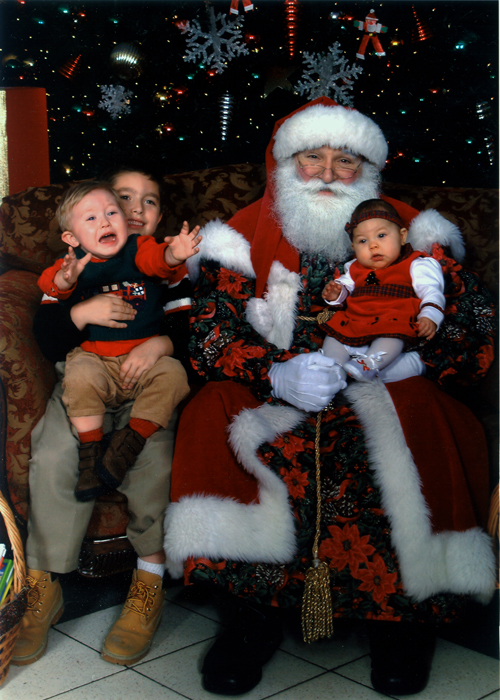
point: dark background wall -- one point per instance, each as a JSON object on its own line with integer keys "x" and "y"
{"x": 434, "y": 93}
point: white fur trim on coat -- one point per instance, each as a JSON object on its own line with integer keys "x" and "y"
{"x": 208, "y": 526}
{"x": 430, "y": 227}
{"x": 336, "y": 127}
{"x": 430, "y": 563}
{"x": 274, "y": 315}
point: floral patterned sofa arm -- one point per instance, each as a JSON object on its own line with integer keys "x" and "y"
{"x": 27, "y": 377}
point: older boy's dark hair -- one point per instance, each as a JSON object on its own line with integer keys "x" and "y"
{"x": 149, "y": 170}
{"x": 368, "y": 206}
{"x": 75, "y": 194}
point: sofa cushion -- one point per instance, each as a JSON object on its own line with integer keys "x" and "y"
{"x": 474, "y": 211}
{"x": 30, "y": 236}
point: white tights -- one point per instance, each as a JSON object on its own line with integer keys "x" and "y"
{"x": 394, "y": 365}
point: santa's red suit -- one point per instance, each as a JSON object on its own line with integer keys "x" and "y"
{"x": 403, "y": 466}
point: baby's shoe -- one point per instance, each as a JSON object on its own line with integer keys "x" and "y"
{"x": 89, "y": 484}
{"x": 363, "y": 368}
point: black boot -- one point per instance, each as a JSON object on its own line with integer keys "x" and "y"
{"x": 234, "y": 663}
{"x": 401, "y": 655}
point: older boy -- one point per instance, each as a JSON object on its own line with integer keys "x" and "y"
{"x": 103, "y": 258}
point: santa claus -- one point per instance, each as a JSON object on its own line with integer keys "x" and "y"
{"x": 391, "y": 480}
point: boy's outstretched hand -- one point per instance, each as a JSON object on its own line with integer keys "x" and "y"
{"x": 70, "y": 270}
{"x": 183, "y": 246}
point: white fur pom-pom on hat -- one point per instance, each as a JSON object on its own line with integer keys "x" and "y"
{"x": 336, "y": 127}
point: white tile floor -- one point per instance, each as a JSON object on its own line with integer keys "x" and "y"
{"x": 72, "y": 668}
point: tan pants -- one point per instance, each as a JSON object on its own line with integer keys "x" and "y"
{"x": 57, "y": 522}
{"x": 92, "y": 383}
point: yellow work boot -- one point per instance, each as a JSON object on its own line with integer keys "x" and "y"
{"x": 130, "y": 637}
{"x": 45, "y": 607}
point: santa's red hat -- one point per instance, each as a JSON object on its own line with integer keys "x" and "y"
{"x": 325, "y": 123}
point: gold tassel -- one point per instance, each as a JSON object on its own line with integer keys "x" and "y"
{"x": 317, "y": 603}
{"x": 317, "y": 619}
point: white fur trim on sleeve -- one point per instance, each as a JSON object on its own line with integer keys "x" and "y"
{"x": 226, "y": 246}
{"x": 430, "y": 227}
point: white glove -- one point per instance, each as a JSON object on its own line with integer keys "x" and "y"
{"x": 308, "y": 381}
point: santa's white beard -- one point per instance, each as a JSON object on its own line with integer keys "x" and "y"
{"x": 313, "y": 222}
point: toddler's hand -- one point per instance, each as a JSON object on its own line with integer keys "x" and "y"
{"x": 183, "y": 246}
{"x": 426, "y": 328}
{"x": 71, "y": 269}
{"x": 142, "y": 358}
{"x": 332, "y": 291}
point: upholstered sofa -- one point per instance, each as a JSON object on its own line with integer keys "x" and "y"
{"x": 30, "y": 241}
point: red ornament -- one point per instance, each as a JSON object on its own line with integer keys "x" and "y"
{"x": 71, "y": 68}
{"x": 249, "y": 37}
{"x": 292, "y": 24}
{"x": 422, "y": 31}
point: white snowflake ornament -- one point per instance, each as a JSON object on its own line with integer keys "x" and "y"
{"x": 115, "y": 100}
{"x": 220, "y": 44}
{"x": 335, "y": 78}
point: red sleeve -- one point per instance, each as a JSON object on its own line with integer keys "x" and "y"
{"x": 47, "y": 284}
{"x": 150, "y": 259}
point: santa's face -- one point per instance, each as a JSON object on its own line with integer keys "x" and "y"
{"x": 328, "y": 165}
{"x": 313, "y": 212}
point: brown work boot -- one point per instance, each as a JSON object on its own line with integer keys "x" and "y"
{"x": 45, "y": 607}
{"x": 131, "y": 636}
{"x": 89, "y": 484}
{"x": 123, "y": 450}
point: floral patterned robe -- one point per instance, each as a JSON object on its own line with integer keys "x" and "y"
{"x": 365, "y": 533}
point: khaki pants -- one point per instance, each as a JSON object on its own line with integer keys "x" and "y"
{"x": 92, "y": 383}
{"x": 57, "y": 522}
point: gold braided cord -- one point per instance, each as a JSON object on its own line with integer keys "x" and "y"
{"x": 4, "y": 151}
{"x": 317, "y": 617}
{"x": 323, "y": 316}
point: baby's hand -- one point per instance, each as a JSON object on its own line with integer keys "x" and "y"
{"x": 70, "y": 270}
{"x": 183, "y": 246}
{"x": 332, "y": 291}
{"x": 426, "y": 328}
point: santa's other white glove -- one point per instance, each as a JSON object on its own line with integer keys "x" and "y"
{"x": 308, "y": 381}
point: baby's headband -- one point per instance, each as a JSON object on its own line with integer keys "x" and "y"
{"x": 375, "y": 214}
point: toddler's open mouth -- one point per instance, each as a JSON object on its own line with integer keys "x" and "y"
{"x": 108, "y": 238}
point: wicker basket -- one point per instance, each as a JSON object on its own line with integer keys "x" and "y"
{"x": 12, "y": 611}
